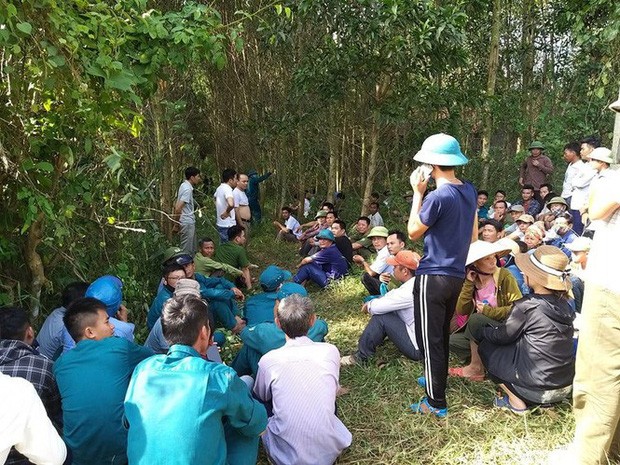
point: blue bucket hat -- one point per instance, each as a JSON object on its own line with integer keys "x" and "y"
{"x": 326, "y": 234}
{"x": 273, "y": 276}
{"x": 290, "y": 289}
{"x": 442, "y": 150}
{"x": 107, "y": 289}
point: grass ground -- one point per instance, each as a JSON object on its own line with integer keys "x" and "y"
{"x": 376, "y": 410}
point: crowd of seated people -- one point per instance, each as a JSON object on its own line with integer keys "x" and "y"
{"x": 114, "y": 401}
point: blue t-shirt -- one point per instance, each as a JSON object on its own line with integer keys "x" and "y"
{"x": 449, "y": 213}
{"x": 331, "y": 262}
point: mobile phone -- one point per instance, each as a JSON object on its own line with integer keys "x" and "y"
{"x": 426, "y": 170}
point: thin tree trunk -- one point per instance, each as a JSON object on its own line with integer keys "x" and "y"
{"x": 616, "y": 142}
{"x": 35, "y": 264}
{"x": 527, "y": 44}
{"x": 491, "y": 80}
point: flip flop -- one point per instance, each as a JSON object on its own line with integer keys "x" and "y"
{"x": 504, "y": 403}
{"x": 457, "y": 372}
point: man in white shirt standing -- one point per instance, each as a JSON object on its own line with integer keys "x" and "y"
{"x": 184, "y": 211}
{"x": 576, "y": 184}
{"x": 25, "y": 425}
{"x": 302, "y": 429}
{"x": 225, "y": 204}
{"x": 243, "y": 215}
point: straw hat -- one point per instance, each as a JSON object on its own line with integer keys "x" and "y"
{"x": 481, "y": 249}
{"x": 508, "y": 244}
{"x": 602, "y": 154}
{"x": 547, "y": 267}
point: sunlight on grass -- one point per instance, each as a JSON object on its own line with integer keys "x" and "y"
{"x": 376, "y": 410}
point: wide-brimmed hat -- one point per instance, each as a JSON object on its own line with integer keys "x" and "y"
{"x": 557, "y": 199}
{"x": 525, "y": 219}
{"x": 273, "y": 276}
{"x": 602, "y": 154}
{"x": 536, "y": 144}
{"x": 508, "y": 244}
{"x": 547, "y": 267}
{"x": 481, "y": 249}
{"x": 378, "y": 231}
{"x": 405, "y": 258}
{"x": 442, "y": 150}
{"x": 580, "y": 244}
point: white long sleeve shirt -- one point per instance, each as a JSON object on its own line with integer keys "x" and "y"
{"x": 399, "y": 300}
{"x": 25, "y": 425}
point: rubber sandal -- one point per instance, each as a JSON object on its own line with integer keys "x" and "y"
{"x": 422, "y": 382}
{"x": 438, "y": 412}
{"x": 457, "y": 372}
{"x": 504, "y": 403}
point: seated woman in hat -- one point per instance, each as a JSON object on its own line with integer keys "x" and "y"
{"x": 325, "y": 265}
{"x": 530, "y": 355}
{"x": 486, "y": 297}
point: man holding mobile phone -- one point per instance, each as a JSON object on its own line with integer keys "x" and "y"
{"x": 444, "y": 218}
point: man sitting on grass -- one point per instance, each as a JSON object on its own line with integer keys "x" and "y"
{"x": 299, "y": 382}
{"x": 379, "y": 271}
{"x": 234, "y": 254}
{"x": 259, "y": 307}
{"x": 263, "y": 337}
{"x": 206, "y": 265}
{"x": 391, "y": 316}
{"x": 325, "y": 265}
{"x": 291, "y": 229}
{"x": 186, "y": 408}
{"x": 92, "y": 380}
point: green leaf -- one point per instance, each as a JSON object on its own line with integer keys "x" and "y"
{"x": 45, "y": 166}
{"x": 25, "y": 27}
{"x": 278, "y": 8}
{"x": 288, "y": 12}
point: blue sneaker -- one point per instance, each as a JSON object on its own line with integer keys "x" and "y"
{"x": 438, "y": 412}
{"x": 422, "y": 382}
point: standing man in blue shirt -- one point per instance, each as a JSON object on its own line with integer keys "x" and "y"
{"x": 253, "y": 193}
{"x": 183, "y": 395}
{"x": 446, "y": 218}
{"x": 184, "y": 211}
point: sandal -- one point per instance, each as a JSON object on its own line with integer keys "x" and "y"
{"x": 438, "y": 412}
{"x": 504, "y": 403}
{"x": 457, "y": 372}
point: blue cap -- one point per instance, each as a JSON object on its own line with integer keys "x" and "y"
{"x": 290, "y": 289}
{"x": 326, "y": 234}
{"x": 441, "y": 150}
{"x": 183, "y": 259}
{"x": 107, "y": 289}
{"x": 273, "y": 276}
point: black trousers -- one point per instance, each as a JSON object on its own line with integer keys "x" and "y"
{"x": 434, "y": 301}
{"x": 371, "y": 283}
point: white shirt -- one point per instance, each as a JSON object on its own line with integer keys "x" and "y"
{"x": 306, "y": 208}
{"x": 604, "y": 255}
{"x": 379, "y": 265}
{"x": 580, "y": 185}
{"x": 223, "y": 192}
{"x": 25, "y": 425}
{"x": 240, "y": 198}
{"x": 375, "y": 220}
{"x": 301, "y": 380}
{"x": 398, "y": 300}
{"x": 186, "y": 194}
{"x": 293, "y": 225}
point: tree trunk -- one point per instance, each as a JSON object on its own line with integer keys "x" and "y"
{"x": 35, "y": 264}
{"x": 372, "y": 161}
{"x": 527, "y": 44}
{"x": 487, "y": 129}
{"x": 616, "y": 142}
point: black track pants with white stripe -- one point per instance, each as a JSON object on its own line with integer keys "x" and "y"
{"x": 434, "y": 301}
